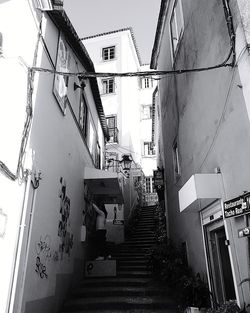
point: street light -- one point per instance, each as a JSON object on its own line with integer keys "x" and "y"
{"x": 125, "y": 162}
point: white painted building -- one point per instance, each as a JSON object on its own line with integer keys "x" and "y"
{"x": 52, "y": 132}
{"x": 127, "y": 101}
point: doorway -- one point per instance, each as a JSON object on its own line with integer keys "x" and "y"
{"x": 219, "y": 262}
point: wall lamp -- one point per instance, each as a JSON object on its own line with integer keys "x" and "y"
{"x": 81, "y": 86}
{"x": 125, "y": 162}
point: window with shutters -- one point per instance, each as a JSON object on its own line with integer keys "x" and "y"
{"x": 113, "y": 130}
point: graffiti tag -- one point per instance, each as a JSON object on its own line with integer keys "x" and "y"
{"x": 41, "y": 268}
{"x": 43, "y": 247}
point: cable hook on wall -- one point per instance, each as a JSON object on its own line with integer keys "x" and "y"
{"x": 35, "y": 181}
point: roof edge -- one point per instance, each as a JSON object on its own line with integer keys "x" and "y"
{"x": 118, "y": 31}
{"x": 158, "y": 33}
{"x": 63, "y": 23}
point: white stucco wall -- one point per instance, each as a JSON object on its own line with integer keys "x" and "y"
{"x": 59, "y": 152}
{"x": 13, "y": 101}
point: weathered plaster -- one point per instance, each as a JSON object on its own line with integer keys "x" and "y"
{"x": 244, "y": 6}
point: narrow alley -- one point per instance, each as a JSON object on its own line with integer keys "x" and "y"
{"x": 133, "y": 289}
{"x": 124, "y": 158}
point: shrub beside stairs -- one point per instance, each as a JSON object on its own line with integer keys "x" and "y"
{"x": 133, "y": 289}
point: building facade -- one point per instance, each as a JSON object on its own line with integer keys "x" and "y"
{"x": 204, "y": 137}
{"x": 53, "y": 134}
{"x": 127, "y": 104}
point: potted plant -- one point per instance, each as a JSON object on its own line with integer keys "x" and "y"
{"x": 195, "y": 294}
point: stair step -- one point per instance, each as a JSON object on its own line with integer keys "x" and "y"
{"x": 137, "y": 241}
{"x": 125, "y": 302}
{"x": 114, "y": 281}
{"x": 120, "y": 310}
{"x": 101, "y": 291}
{"x": 132, "y": 268}
{"x": 132, "y": 273}
{"x": 132, "y": 262}
{"x": 134, "y": 246}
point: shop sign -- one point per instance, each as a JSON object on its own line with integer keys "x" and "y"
{"x": 244, "y": 232}
{"x": 158, "y": 179}
{"x": 237, "y": 206}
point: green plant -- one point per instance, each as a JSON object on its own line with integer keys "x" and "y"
{"x": 167, "y": 262}
{"x": 194, "y": 291}
{"x": 227, "y": 307}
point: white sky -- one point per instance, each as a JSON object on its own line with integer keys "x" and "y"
{"x": 91, "y": 17}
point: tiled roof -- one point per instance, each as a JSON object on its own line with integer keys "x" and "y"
{"x": 118, "y": 31}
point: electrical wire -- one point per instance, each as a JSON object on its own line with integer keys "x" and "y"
{"x": 33, "y": 69}
{"x": 21, "y": 174}
{"x": 137, "y": 74}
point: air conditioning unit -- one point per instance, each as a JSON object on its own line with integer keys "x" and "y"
{"x": 44, "y": 5}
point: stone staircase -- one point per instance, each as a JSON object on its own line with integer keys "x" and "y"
{"x": 133, "y": 289}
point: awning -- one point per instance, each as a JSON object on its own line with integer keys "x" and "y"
{"x": 206, "y": 187}
{"x": 104, "y": 185}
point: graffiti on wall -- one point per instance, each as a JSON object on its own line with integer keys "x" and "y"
{"x": 41, "y": 268}
{"x": 66, "y": 237}
{"x": 43, "y": 254}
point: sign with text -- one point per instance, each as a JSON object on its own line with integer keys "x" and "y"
{"x": 237, "y": 206}
{"x": 244, "y": 232}
{"x": 158, "y": 179}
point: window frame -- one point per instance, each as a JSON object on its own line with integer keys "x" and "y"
{"x": 179, "y": 29}
{"x": 176, "y": 160}
{"x": 146, "y": 83}
{"x": 63, "y": 64}
{"x": 1, "y": 43}
{"x": 84, "y": 117}
{"x": 144, "y": 115}
{"x": 106, "y": 89}
{"x": 114, "y": 128}
{"x": 109, "y": 53}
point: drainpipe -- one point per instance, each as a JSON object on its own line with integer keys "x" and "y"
{"x": 13, "y": 284}
{"x": 23, "y": 246}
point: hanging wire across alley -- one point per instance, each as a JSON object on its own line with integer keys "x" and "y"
{"x": 20, "y": 173}
{"x": 138, "y": 74}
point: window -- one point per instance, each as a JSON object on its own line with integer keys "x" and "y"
{"x": 146, "y": 83}
{"x": 83, "y": 116}
{"x": 63, "y": 63}
{"x": 92, "y": 140}
{"x": 146, "y": 112}
{"x": 149, "y": 188}
{"x": 176, "y": 26}
{"x": 44, "y": 4}
{"x": 1, "y": 43}
{"x": 148, "y": 185}
{"x": 148, "y": 149}
{"x": 108, "y": 86}
{"x": 108, "y": 53}
{"x": 98, "y": 156}
{"x": 176, "y": 160}
{"x": 113, "y": 130}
